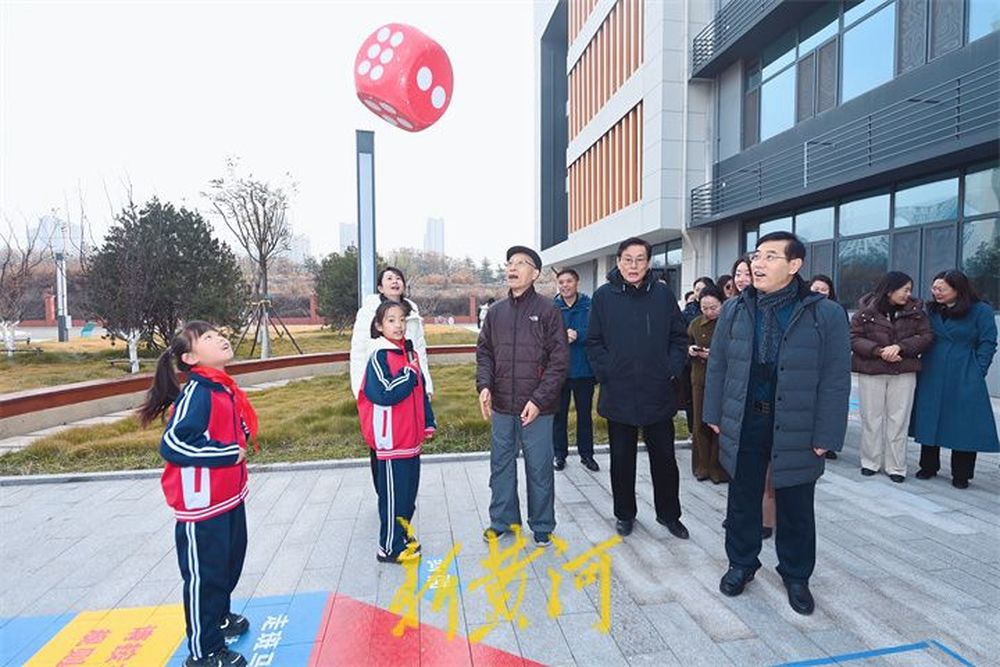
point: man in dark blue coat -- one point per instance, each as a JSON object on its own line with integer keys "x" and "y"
{"x": 637, "y": 344}
{"x": 777, "y": 390}
{"x": 575, "y": 309}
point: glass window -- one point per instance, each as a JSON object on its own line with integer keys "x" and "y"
{"x": 779, "y": 54}
{"x": 864, "y": 215}
{"x": 984, "y": 18}
{"x": 868, "y": 53}
{"x": 981, "y": 257}
{"x": 750, "y": 236}
{"x": 861, "y": 263}
{"x": 778, "y": 225}
{"x": 659, "y": 258}
{"x": 927, "y": 203}
{"x": 777, "y": 104}
{"x": 982, "y": 192}
{"x": 940, "y": 244}
{"x": 818, "y": 27}
{"x": 859, "y": 10}
{"x": 814, "y": 225}
{"x": 674, "y": 254}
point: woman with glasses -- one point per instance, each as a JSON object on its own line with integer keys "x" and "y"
{"x": 705, "y": 448}
{"x": 952, "y": 404}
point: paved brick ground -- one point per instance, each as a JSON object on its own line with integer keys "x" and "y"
{"x": 897, "y": 564}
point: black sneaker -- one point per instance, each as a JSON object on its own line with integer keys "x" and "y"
{"x": 925, "y": 474}
{"x": 493, "y": 534}
{"x": 590, "y": 464}
{"x": 543, "y": 539}
{"x": 403, "y": 557}
{"x": 234, "y": 625}
{"x": 221, "y": 658}
{"x": 559, "y": 463}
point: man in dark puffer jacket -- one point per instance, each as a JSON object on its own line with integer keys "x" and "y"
{"x": 637, "y": 344}
{"x": 522, "y": 358}
{"x": 777, "y": 389}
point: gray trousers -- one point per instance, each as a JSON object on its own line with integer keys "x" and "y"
{"x": 536, "y": 441}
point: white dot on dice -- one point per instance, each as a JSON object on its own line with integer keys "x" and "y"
{"x": 437, "y": 97}
{"x": 405, "y": 123}
{"x": 376, "y": 73}
{"x": 386, "y": 56}
{"x": 424, "y": 78}
{"x": 388, "y": 107}
{"x": 397, "y": 38}
{"x": 371, "y": 104}
{"x": 389, "y": 119}
{"x": 373, "y": 50}
{"x": 364, "y": 67}
{"x": 383, "y": 34}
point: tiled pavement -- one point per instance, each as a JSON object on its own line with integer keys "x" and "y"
{"x": 897, "y": 564}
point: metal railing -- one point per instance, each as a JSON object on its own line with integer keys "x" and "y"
{"x": 934, "y": 118}
{"x": 730, "y": 22}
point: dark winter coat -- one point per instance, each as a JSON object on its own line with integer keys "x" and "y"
{"x": 872, "y": 330}
{"x": 577, "y": 318}
{"x": 951, "y": 407}
{"x": 812, "y": 388}
{"x": 636, "y": 343}
{"x": 522, "y": 354}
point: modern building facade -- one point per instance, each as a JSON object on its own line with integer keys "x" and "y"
{"x": 434, "y": 236}
{"x": 869, "y": 128}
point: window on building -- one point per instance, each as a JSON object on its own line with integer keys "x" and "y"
{"x": 777, "y": 104}
{"x": 818, "y": 27}
{"x": 984, "y": 18}
{"x": 982, "y": 191}
{"x": 861, "y": 216}
{"x": 776, "y": 225}
{"x": 778, "y": 55}
{"x": 868, "y": 59}
{"x": 947, "y": 26}
{"x": 854, "y": 11}
{"x": 912, "y": 29}
{"x": 751, "y": 105}
{"x": 860, "y": 264}
{"x": 925, "y": 203}
{"x": 981, "y": 257}
{"x": 814, "y": 225}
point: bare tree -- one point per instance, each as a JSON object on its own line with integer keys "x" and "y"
{"x": 17, "y": 262}
{"x": 256, "y": 213}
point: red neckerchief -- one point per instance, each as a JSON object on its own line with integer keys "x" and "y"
{"x": 246, "y": 412}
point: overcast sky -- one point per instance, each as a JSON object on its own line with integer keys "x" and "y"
{"x": 159, "y": 94}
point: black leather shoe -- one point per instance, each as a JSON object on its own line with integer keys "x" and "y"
{"x": 799, "y": 597}
{"x": 832, "y": 456}
{"x": 766, "y": 532}
{"x": 559, "y": 463}
{"x": 590, "y": 464}
{"x": 867, "y": 472}
{"x": 898, "y": 479}
{"x": 925, "y": 474}
{"x": 624, "y": 526}
{"x": 675, "y": 527}
{"x": 735, "y": 580}
{"x": 960, "y": 483}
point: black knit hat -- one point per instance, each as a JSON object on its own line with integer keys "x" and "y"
{"x": 535, "y": 258}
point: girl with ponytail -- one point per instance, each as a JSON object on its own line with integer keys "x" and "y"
{"x": 209, "y": 422}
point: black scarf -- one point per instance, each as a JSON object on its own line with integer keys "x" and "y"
{"x": 767, "y": 306}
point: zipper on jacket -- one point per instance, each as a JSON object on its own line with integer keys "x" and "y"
{"x": 513, "y": 358}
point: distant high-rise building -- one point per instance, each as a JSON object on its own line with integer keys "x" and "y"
{"x": 348, "y": 236}
{"x": 434, "y": 236}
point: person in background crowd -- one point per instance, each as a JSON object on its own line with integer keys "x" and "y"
{"x": 823, "y": 284}
{"x": 391, "y": 286}
{"x": 741, "y": 275}
{"x": 726, "y": 285}
{"x": 482, "y": 310}
{"x": 705, "y": 447}
{"x": 636, "y": 345}
{"x": 777, "y": 391}
{"x": 888, "y": 334}
{"x": 692, "y": 310}
{"x": 575, "y": 309}
{"x": 952, "y": 407}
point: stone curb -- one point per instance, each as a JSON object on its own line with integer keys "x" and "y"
{"x": 334, "y": 464}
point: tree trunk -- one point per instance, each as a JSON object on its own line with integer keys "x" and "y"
{"x": 265, "y": 334}
{"x": 133, "y": 351}
{"x": 7, "y": 330}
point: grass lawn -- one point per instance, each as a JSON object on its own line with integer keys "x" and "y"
{"x": 88, "y": 358}
{"x": 307, "y": 420}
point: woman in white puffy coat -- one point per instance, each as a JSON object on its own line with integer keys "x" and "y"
{"x": 391, "y": 285}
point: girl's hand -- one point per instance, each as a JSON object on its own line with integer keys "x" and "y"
{"x": 242, "y": 456}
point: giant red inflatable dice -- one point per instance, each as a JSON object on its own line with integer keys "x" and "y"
{"x": 403, "y": 76}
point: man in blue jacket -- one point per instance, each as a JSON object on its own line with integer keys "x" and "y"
{"x": 777, "y": 390}
{"x": 575, "y": 309}
{"x": 637, "y": 344}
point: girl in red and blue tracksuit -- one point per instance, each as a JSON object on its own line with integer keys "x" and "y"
{"x": 205, "y": 482}
{"x": 396, "y": 417}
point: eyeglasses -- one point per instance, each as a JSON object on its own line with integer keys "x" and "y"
{"x": 633, "y": 261}
{"x": 769, "y": 257}
{"x": 517, "y": 264}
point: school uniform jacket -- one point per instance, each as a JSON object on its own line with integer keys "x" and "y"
{"x": 202, "y": 442}
{"x": 395, "y": 413}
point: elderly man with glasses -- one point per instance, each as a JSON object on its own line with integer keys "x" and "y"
{"x": 637, "y": 344}
{"x": 522, "y": 358}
